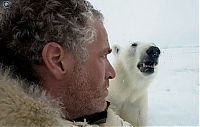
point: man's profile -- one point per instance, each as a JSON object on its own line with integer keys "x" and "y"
{"x": 54, "y": 66}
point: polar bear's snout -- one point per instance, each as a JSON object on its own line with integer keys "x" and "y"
{"x": 153, "y": 52}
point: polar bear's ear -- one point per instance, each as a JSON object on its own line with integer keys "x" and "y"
{"x": 116, "y": 49}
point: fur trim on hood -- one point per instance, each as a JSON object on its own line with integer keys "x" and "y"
{"x": 32, "y": 107}
{"x": 21, "y": 107}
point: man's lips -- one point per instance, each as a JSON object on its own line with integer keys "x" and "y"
{"x": 105, "y": 90}
{"x": 106, "y": 84}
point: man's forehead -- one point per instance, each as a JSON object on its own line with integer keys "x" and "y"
{"x": 101, "y": 33}
{"x": 101, "y": 42}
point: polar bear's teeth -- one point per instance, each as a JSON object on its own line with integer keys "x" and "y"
{"x": 143, "y": 65}
{"x": 151, "y": 66}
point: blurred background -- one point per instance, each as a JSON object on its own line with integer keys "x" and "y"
{"x": 167, "y": 22}
{"x": 173, "y": 26}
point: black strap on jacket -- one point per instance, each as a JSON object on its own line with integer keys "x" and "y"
{"x": 96, "y": 118}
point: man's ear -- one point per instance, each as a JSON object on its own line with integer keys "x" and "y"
{"x": 53, "y": 55}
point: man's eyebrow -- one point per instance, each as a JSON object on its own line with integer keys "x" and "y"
{"x": 107, "y": 50}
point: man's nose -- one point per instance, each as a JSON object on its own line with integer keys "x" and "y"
{"x": 153, "y": 52}
{"x": 110, "y": 72}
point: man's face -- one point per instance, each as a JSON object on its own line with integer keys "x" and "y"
{"x": 87, "y": 84}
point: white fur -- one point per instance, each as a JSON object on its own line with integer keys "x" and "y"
{"x": 128, "y": 91}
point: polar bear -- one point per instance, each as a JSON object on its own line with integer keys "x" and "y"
{"x": 135, "y": 68}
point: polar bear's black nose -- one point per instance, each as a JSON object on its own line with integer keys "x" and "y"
{"x": 153, "y": 52}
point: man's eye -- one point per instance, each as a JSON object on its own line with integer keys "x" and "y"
{"x": 105, "y": 55}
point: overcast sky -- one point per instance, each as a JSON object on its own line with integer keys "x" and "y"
{"x": 165, "y": 22}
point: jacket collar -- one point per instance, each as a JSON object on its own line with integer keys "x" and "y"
{"x": 96, "y": 118}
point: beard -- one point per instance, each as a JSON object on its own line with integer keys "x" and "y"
{"x": 82, "y": 95}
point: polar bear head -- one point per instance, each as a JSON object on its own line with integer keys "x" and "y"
{"x": 139, "y": 58}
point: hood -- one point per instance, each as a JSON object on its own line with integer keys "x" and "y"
{"x": 21, "y": 106}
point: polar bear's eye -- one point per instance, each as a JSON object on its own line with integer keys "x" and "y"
{"x": 134, "y": 45}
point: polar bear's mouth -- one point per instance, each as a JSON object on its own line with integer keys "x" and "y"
{"x": 147, "y": 66}
{"x": 149, "y": 61}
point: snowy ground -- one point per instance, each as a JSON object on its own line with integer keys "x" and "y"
{"x": 173, "y": 95}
